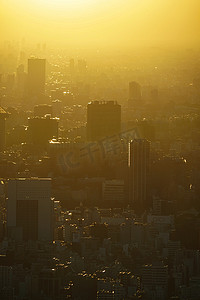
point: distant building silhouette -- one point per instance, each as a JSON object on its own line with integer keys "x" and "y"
{"x": 10, "y": 82}
{"x": 21, "y": 77}
{"x": 139, "y": 150}
{"x": 36, "y": 76}
{"x": 135, "y": 94}
{"x": 71, "y": 66}
{"x": 103, "y": 119}
{"x": 3, "y": 116}
{"x": 82, "y": 66}
{"x": 30, "y": 209}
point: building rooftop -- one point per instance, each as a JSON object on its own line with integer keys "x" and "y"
{"x": 2, "y": 111}
{"x": 30, "y": 179}
{"x": 103, "y": 102}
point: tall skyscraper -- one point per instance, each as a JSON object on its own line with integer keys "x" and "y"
{"x": 135, "y": 94}
{"x": 71, "y": 66}
{"x": 3, "y": 116}
{"x": 36, "y": 76}
{"x": 139, "y": 150}
{"x": 21, "y": 80}
{"x": 103, "y": 119}
{"x": 30, "y": 209}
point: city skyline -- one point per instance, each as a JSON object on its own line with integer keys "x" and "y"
{"x": 99, "y": 150}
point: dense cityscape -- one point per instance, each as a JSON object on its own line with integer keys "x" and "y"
{"x": 100, "y": 169}
{"x": 99, "y": 149}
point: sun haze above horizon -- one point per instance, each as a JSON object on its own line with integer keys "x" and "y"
{"x": 101, "y": 23}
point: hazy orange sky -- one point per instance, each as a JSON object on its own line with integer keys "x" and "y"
{"x": 105, "y": 23}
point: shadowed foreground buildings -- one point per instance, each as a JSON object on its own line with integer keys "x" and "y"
{"x": 30, "y": 209}
{"x": 155, "y": 279}
{"x": 139, "y": 150}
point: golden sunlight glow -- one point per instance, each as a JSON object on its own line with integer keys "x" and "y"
{"x": 105, "y": 23}
{"x": 65, "y": 4}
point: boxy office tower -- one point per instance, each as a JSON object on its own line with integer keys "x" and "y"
{"x": 103, "y": 119}
{"x": 30, "y": 209}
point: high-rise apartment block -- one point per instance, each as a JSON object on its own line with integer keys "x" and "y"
{"x": 103, "y": 119}
{"x": 30, "y": 209}
{"x": 139, "y": 150}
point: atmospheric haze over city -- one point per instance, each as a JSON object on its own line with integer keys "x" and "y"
{"x": 99, "y": 149}
{"x": 100, "y": 23}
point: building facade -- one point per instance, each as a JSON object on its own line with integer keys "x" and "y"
{"x": 139, "y": 150}
{"x": 30, "y": 209}
{"x": 3, "y": 116}
{"x": 103, "y": 119}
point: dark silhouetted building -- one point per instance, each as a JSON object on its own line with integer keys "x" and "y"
{"x": 41, "y": 130}
{"x": 155, "y": 275}
{"x": 42, "y": 109}
{"x": 30, "y": 209}
{"x": 21, "y": 78}
{"x": 139, "y": 150}
{"x": 36, "y": 76}
{"x": 3, "y": 116}
{"x": 103, "y": 119}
